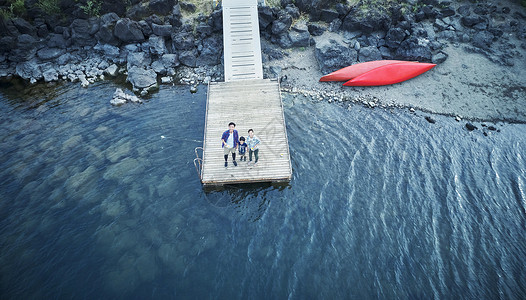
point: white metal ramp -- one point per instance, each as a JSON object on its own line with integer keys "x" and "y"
{"x": 242, "y": 46}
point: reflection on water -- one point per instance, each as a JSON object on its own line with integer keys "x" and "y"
{"x": 104, "y": 202}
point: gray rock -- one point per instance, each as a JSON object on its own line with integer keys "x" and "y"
{"x": 24, "y": 27}
{"x": 166, "y": 80}
{"x": 111, "y": 70}
{"x": 49, "y": 53}
{"x": 56, "y": 41}
{"x": 439, "y": 58}
{"x": 109, "y": 19}
{"x": 157, "y": 45}
{"x": 470, "y": 21}
{"x": 282, "y": 24}
{"x": 292, "y": 11}
{"x": 80, "y": 33}
{"x": 183, "y": 41}
{"x": 328, "y": 15}
{"x": 120, "y": 98}
{"x": 50, "y": 75}
{"x": 142, "y": 78}
{"x": 386, "y": 53}
{"x": 299, "y": 39}
{"x": 138, "y": 59}
{"x": 28, "y": 70}
{"x": 162, "y": 30}
{"x": 128, "y": 31}
{"x": 188, "y": 58}
{"x": 266, "y": 16}
{"x": 483, "y": 40}
{"x": 414, "y": 49}
{"x": 332, "y": 53}
{"x": 109, "y": 51}
{"x": 146, "y": 28}
{"x": 190, "y": 7}
{"x": 105, "y": 35}
{"x": 210, "y": 54}
{"x": 162, "y": 7}
{"x": 7, "y": 43}
{"x": 394, "y": 37}
{"x": 64, "y": 59}
{"x": 25, "y": 48}
{"x": 369, "y": 54}
{"x": 316, "y": 29}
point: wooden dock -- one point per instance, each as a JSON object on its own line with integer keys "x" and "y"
{"x": 248, "y": 100}
{"x": 251, "y": 104}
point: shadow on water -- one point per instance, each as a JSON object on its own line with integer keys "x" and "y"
{"x": 249, "y": 199}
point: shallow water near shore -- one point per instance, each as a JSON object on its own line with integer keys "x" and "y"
{"x": 104, "y": 202}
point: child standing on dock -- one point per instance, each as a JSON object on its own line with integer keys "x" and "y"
{"x": 229, "y": 142}
{"x": 253, "y": 146}
{"x": 242, "y": 149}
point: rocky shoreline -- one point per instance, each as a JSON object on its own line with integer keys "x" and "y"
{"x": 169, "y": 41}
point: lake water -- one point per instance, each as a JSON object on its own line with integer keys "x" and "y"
{"x": 102, "y": 202}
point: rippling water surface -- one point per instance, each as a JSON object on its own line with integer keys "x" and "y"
{"x": 104, "y": 202}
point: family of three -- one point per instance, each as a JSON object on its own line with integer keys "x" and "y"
{"x": 230, "y": 141}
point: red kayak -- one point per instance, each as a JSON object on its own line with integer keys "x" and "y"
{"x": 356, "y": 70}
{"x": 390, "y": 74}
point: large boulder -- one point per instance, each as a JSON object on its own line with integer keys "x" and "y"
{"x": 29, "y": 70}
{"x": 56, "y": 41}
{"x": 49, "y": 53}
{"x": 105, "y": 35}
{"x": 142, "y": 78}
{"x": 162, "y": 7}
{"x": 183, "y": 40}
{"x": 162, "y": 30}
{"x": 81, "y": 33}
{"x": 138, "y": 59}
{"x": 470, "y": 21}
{"x": 367, "y": 23}
{"x": 414, "y": 49}
{"x": 128, "y": 31}
{"x": 157, "y": 45}
{"x": 332, "y": 53}
{"x": 282, "y": 24}
{"x": 369, "y": 54}
{"x": 166, "y": 64}
{"x": 188, "y": 58}
{"x": 24, "y": 26}
{"x": 394, "y": 37}
{"x": 7, "y": 43}
{"x": 483, "y": 40}
{"x": 210, "y": 54}
{"x": 266, "y": 16}
{"x": 25, "y": 48}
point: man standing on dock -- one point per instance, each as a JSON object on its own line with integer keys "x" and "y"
{"x": 230, "y": 141}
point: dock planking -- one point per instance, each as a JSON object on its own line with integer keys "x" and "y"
{"x": 251, "y": 104}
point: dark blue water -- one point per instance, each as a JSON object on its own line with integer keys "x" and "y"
{"x": 104, "y": 202}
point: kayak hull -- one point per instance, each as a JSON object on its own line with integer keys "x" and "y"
{"x": 356, "y": 70}
{"x": 390, "y": 74}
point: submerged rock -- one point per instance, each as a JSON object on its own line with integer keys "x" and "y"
{"x": 470, "y": 127}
